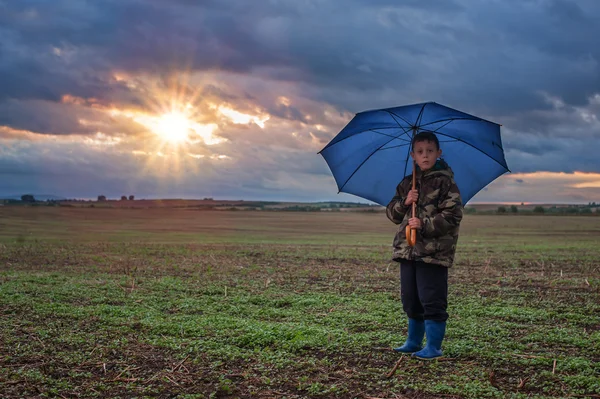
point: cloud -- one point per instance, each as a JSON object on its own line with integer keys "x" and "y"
{"x": 299, "y": 69}
{"x": 482, "y": 54}
{"x": 543, "y": 187}
{"x": 110, "y": 168}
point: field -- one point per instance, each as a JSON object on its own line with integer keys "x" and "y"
{"x": 185, "y": 303}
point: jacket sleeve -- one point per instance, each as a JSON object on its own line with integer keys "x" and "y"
{"x": 449, "y": 212}
{"x": 396, "y": 209}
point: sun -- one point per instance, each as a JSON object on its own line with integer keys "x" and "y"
{"x": 173, "y": 127}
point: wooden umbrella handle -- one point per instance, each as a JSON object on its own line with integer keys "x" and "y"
{"x": 411, "y": 234}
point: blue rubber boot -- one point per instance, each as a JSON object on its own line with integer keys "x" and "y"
{"x": 414, "y": 342}
{"x": 435, "y": 335}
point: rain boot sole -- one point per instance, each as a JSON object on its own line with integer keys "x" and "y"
{"x": 428, "y": 359}
{"x": 397, "y": 350}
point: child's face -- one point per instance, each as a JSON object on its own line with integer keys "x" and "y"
{"x": 425, "y": 153}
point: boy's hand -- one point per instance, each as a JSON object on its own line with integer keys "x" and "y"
{"x": 413, "y": 196}
{"x": 415, "y": 223}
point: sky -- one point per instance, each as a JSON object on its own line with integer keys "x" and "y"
{"x": 233, "y": 99}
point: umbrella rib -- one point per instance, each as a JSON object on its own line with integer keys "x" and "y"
{"x": 383, "y": 134}
{"x": 363, "y": 162}
{"x": 414, "y": 127}
{"x": 364, "y": 131}
{"x": 420, "y": 117}
{"x": 399, "y": 117}
{"x": 413, "y": 136}
{"x": 393, "y": 115}
{"x": 472, "y": 146}
{"x": 455, "y": 119}
{"x": 444, "y": 125}
{"x": 410, "y": 126}
{"x": 371, "y": 130}
{"x": 371, "y": 154}
{"x": 395, "y": 146}
{"x": 464, "y": 142}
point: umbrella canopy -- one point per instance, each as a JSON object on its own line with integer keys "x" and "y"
{"x": 371, "y": 155}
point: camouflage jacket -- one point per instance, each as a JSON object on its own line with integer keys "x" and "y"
{"x": 439, "y": 207}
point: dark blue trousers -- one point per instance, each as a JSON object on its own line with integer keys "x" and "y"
{"x": 424, "y": 290}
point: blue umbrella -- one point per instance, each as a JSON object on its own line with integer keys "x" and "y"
{"x": 371, "y": 154}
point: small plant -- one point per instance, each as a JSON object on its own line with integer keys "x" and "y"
{"x": 226, "y": 386}
{"x": 316, "y": 388}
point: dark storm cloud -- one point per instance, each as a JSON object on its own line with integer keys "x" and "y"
{"x": 488, "y": 56}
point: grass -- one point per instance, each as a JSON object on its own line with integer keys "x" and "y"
{"x": 177, "y": 303}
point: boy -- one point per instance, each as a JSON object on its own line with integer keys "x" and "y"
{"x": 424, "y": 267}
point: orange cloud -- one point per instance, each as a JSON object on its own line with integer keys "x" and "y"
{"x": 8, "y": 132}
{"x": 90, "y": 102}
{"x": 576, "y": 179}
{"x": 540, "y": 187}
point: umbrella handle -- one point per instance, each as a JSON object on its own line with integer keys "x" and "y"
{"x": 411, "y": 234}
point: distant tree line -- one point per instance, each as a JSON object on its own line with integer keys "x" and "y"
{"x": 102, "y": 198}
{"x": 589, "y": 209}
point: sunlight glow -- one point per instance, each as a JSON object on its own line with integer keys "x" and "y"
{"x": 101, "y": 139}
{"x": 206, "y": 132}
{"x": 173, "y": 127}
{"x": 241, "y": 118}
{"x": 213, "y": 156}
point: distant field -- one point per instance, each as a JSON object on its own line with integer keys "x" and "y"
{"x": 526, "y": 207}
{"x": 189, "y": 225}
{"x": 207, "y": 204}
{"x": 590, "y": 209}
{"x": 192, "y": 303}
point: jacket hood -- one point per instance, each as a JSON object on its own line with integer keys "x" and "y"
{"x": 440, "y": 168}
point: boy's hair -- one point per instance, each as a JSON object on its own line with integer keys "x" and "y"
{"x": 425, "y": 136}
